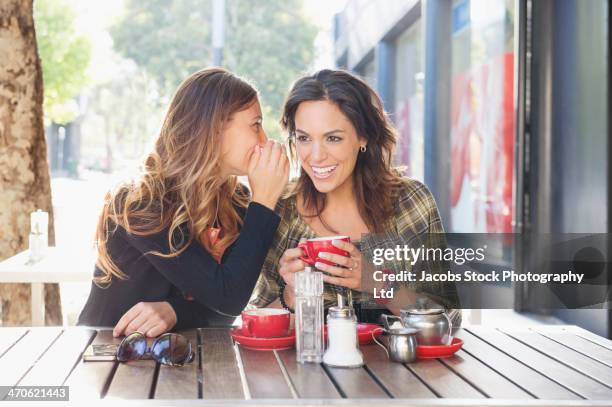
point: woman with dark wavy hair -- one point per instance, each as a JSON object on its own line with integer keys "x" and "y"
{"x": 343, "y": 142}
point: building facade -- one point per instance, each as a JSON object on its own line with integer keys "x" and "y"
{"x": 502, "y": 110}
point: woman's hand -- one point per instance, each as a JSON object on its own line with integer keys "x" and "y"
{"x": 349, "y": 277}
{"x": 268, "y": 173}
{"x": 149, "y": 318}
{"x": 290, "y": 264}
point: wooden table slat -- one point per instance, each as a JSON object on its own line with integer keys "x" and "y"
{"x": 580, "y": 344}
{"x": 60, "y": 359}
{"x": 600, "y": 340}
{"x": 88, "y": 379}
{"x": 24, "y": 354}
{"x": 219, "y": 365}
{"x": 356, "y": 383}
{"x": 396, "y": 378}
{"x": 587, "y": 366}
{"x": 444, "y": 381}
{"x": 308, "y": 379}
{"x": 562, "y": 374}
{"x": 264, "y": 376}
{"x": 532, "y": 381}
{"x": 9, "y": 337}
{"x": 180, "y": 382}
{"x": 133, "y": 379}
{"x": 484, "y": 378}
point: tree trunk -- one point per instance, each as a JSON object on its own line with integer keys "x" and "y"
{"x": 24, "y": 173}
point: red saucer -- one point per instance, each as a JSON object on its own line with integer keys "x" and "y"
{"x": 249, "y": 342}
{"x": 439, "y": 351}
{"x": 364, "y": 332}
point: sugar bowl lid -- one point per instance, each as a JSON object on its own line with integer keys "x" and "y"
{"x": 402, "y": 331}
{"x": 424, "y": 306}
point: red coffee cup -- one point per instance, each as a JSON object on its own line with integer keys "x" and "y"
{"x": 266, "y": 322}
{"x": 312, "y": 248}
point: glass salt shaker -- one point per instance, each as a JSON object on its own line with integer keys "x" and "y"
{"x": 39, "y": 235}
{"x": 309, "y": 343}
{"x": 343, "y": 347}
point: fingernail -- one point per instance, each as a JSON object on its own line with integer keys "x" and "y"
{"x": 320, "y": 265}
{"x": 324, "y": 255}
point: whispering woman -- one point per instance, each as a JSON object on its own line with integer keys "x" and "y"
{"x": 183, "y": 245}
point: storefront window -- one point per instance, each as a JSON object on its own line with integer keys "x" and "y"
{"x": 482, "y": 115}
{"x": 368, "y": 73}
{"x": 408, "y": 117}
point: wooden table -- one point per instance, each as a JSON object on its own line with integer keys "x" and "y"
{"x": 60, "y": 265}
{"x": 560, "y": 365}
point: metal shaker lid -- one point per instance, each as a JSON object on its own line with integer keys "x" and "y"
{"x": 341, "y": 312}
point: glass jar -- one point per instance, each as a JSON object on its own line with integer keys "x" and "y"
{"x": 343, "y": 347}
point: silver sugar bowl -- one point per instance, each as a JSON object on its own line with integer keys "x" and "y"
{"x": 432, "y": 322}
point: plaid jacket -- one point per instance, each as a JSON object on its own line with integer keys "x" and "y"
{"x": 416, "y": 221}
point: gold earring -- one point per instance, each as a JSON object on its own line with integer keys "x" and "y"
{"x": 363, "y": 149}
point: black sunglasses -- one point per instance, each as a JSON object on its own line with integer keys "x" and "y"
{"x": 168, "y": 349}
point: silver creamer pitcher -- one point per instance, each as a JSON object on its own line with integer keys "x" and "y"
{"x": 401, "y": 344}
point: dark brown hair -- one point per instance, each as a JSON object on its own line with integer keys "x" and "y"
{"x": 373, "y": 175}
{"x": 180, "y": 188}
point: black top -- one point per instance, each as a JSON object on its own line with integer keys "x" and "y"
{"x": 216, "y": 288}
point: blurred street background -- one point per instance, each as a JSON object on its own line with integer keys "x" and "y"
{"x": 501, "y": 105}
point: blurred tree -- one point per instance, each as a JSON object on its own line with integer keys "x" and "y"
{"x": 65, "y": 56}
{"x": 122, "y": 117}
{"x": 24, "y": 173}
{"x": 268, "y": 41}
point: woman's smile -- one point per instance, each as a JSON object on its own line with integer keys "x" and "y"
{"x": 321, "y": 172}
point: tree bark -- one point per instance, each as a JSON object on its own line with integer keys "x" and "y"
{"x": 24, "y": 172}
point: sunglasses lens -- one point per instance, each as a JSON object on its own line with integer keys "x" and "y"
{"x": 132, "y": 347}
{"x": 172, "y": 349}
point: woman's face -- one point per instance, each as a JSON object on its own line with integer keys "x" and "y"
{"x": 240, "y": 134}
{"x": 327, "y": 144}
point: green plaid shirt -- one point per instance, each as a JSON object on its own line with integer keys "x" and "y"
{"x": 416, "y": 218}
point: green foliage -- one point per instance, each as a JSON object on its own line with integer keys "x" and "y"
{"x": 269, "y": 42}
{"x": 64, "y": 55}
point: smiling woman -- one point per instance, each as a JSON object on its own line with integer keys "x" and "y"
{"x": 343, "y": 141}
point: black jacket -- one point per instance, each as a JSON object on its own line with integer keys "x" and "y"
{"x": 216, "y": 288}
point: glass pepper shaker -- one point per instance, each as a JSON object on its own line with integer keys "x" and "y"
{"x": 309, "y": 343}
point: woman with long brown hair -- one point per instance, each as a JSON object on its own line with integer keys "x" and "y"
{"x": 183, "y": 245}
{"x": 343, "y": 141}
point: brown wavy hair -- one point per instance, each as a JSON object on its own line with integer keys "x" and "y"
{"x": 180, "y": 189}
{"x": 373, "y": 175}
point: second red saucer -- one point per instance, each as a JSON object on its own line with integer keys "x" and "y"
{"x": 364, "y": 332}
{"x": 439, "y": 351}
{"x": 249, "y": 342}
